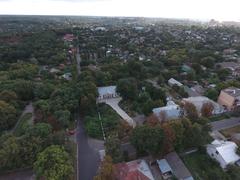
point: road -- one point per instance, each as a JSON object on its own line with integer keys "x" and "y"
{"x": 224, "y": 124}
{"x": 87, "y": 157}
{"x": 78, "y": 58}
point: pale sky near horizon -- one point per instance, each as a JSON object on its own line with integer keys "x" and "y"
{"x": 192, "y": 9}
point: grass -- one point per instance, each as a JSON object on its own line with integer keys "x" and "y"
{"x": 23, "y": 123}
{"x": 203, "y": 167}
{"x": 110, "y": 120}
{"x": 230, "y": 131}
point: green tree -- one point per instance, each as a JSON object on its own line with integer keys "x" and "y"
{"x": 191, "y": 111}
{"x": 212, "y": 94}
{"x": 148, "y": 139}
{"x": 8, "y": 116}
{"x": 63, "y": 118}
{"x": 53, "y": 163}
{"x": 127, "y": 88}
{"x": 107, "y": 170}
{"x": 113, "y": 148}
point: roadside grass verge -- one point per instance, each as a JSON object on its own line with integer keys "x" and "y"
{"x": 230, "y": 131}
{"x": 203, "y": 167}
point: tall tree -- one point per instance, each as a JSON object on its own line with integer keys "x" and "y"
{"x": 207, "y": 109}
{"x": 53, "y": 163}
{"x": 191, "y": 111}
{"x": 106, "y": 171}
{"x": 148, "y": 139}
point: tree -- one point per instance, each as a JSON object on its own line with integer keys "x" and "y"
{"x": 208, "y": 61}
{"x": 178, "y": 129}
{"x": 152, "y": 120}
{"x": 53, "y": 163}
{"x": 207, "y": 109}
{"x": 148, "y": 139}
{"x": 8, "y": 116}
{"x": 63, "y": 118}
{"x": 212, "y": 94}
{"x": 113, "y": 146}
{"x": 127, "y": 88}
{"x": 42, "y": 130}
{"x": 8, "y": 96}
{"x": 169, "y": 138}
{"x": 191, "y": 111}
{"x": 107, "y": 169}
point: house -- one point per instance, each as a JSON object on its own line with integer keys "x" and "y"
{"x": 179, "y": 169}
{"x": 229, "y": 98}
{"x": 137, "y": 169}
{"x": 172, "y": 82}
{"x": 198, "y": 102}
{"x": 166, "y": 170}
{"x": 223, "y": 151}
{"x": 107, "y": 92}
{"x": 170, "y": 111}
{"x": 232, "y": 66}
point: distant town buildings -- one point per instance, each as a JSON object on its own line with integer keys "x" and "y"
{"x": 172, "y": 82}
{"x": 230, "y": 98}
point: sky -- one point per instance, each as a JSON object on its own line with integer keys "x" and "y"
{"x": 222, "y": 10}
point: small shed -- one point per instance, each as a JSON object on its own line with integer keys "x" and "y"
{"x": 164, "y": 167}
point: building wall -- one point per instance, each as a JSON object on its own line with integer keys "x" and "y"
{"x": 225, "y": 99}
{"x": 213, "y": 154}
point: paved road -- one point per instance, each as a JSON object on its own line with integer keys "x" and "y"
{"x": 224, "y": 124}
{"x": 113, "y": 102}
{"x": 18, "y": 175}
{"x": 87, "y": 157}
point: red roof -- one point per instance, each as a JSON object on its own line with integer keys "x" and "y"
{"x": 129, "y": 171}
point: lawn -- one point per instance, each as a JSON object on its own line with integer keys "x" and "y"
{"x": 109, "y": 118}
{"x": 230, "y": 131}
{"x": 203, "y": 167}
{"x": 23, "y": 123}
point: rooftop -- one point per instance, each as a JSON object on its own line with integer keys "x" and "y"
{"x": 107, "y": 90}
{"x": 232, "y": 91}
{"x": 227, "y": 150}
{"x": 164, "y": 166}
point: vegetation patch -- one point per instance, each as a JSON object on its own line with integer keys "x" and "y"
{"x": 110, "y": 120}
{"x": 24, "y": 122}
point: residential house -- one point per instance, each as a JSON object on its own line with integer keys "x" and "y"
{"x": 198, "y": 102}
{"x": 170, "y": 111}
{"x": 137, "y": 169}
{"x": 230, "y": 98}
{"x": 107, "y": 92}
{"x": 172, "y": 82}
{"x": 224, "y": 152}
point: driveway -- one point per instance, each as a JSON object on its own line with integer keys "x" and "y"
{"x": 87, "y": 154}
{"x": 113, "y": 102}
{"x": 225, "y": 124}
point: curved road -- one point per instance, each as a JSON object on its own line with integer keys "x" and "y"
{"x": 87, "y": 158}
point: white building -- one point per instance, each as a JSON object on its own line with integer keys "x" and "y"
{"x": 107, "y": 92}
{"x": 198, "y": 102}
{"x": 172, "y": 82}
{"x": 170, "y": 111}
{"x": 223, "y": 151}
